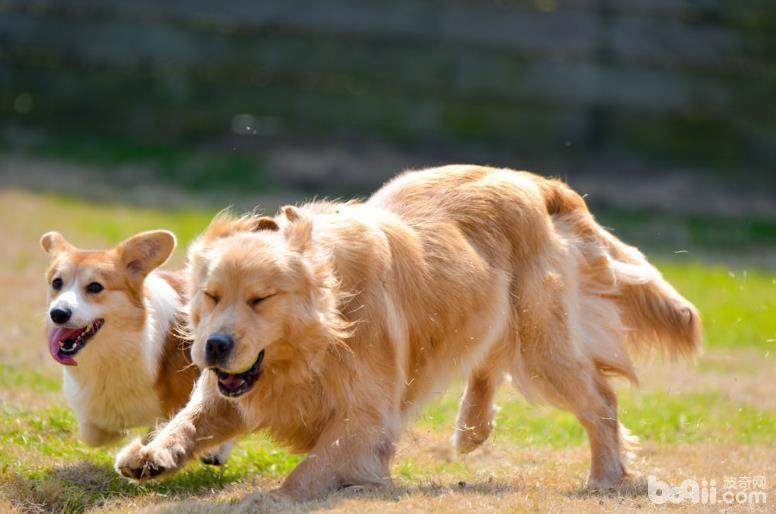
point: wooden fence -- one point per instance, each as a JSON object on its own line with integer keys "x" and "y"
{"x": 679, "y": 81}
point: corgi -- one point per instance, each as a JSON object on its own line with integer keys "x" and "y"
{"x": 332, "y": 324}
{"x": 113, "y": 323}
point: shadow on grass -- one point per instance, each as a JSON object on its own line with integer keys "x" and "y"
{"x": 633, "y": 487}
{"x": 84, "y": 486}
{"x": 81, "y": 486}
{"x": 262, "y": 500}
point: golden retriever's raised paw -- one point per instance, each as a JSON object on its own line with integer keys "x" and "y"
{"x": 139, "y": 463}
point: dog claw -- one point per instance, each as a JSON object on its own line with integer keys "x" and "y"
{"x": 133, "y": 473}
{"x": 148, "y": 471}
{"x": 212, "y": 460}
{"x": 151, "y": 470}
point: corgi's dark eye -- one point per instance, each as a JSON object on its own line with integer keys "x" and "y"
{"x": 94, "y": 288}
{"x": 56, "y": 284}
{"x": 213, "y": 297}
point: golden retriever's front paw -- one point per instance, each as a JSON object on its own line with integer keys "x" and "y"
{"x": 139, "y": 462}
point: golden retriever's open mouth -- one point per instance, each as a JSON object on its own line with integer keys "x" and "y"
{"x": 65, "y": 343}
{"x": 237, "y": 384}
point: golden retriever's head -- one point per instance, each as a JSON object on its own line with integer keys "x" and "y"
{"x": 262, "y": 297}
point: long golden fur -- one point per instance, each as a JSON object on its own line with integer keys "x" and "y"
{"x": 364, "y": 310}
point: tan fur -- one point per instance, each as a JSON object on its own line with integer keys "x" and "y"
{"x": 177, "y": 374}
{"x": 373, "y": 307}
{"x": 129, "y": 374}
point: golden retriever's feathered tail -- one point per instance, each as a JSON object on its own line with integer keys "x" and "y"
{"x": 654, "y": 313}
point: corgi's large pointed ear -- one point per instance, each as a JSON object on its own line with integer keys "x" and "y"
{"x": 299, "y": 230}
{"x": 144, "y": 252}
{"x": 53, "y": 243}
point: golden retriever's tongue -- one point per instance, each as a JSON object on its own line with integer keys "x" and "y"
{"x": 232, "y": 382}
{"x": 57, "y": 335}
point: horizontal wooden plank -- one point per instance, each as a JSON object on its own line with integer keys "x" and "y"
{"x": 178, "y": 107}
{"x": 659, "y": 41}
{"x": 331, "y": 65}
{"x": 664, "y": 42}
{"x": 676, "y": 8}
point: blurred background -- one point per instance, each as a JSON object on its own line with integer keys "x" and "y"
{"x": 662, "y": 111}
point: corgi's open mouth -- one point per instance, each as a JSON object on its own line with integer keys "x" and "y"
{"x": 65, "y": 343}
{"x": 237, "y": 384}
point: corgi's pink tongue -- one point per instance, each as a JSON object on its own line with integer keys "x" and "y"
{"x": 57, "y": 335}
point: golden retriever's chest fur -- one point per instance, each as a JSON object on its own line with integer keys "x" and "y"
{"x": 293, "y": 413}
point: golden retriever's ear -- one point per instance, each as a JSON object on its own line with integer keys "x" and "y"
{"x": 266, "y": 223}
{"x": 144, "y": 252}
{"x": 53, "y": 243}
{"x": 299, "y": 230}
{"x": 291, "y": 213}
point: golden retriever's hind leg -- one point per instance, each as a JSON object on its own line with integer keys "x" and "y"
{"x": 578, "y": 386}
{"x": 600, "y": 420}
{"x": 475, "y": 415}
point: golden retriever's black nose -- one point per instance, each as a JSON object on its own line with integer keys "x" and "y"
{"x": 218, "y": 347}
{"x": 60, "y": 316}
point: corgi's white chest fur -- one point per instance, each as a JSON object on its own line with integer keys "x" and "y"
{"x": 113, "y": 385}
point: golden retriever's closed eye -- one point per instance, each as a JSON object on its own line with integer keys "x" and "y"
{"x": 332, "y": 324}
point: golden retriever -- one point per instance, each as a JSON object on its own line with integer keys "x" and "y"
{"x": 332, "y": 324}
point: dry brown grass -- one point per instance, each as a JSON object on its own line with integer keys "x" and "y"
{"x": 499, "y": 479}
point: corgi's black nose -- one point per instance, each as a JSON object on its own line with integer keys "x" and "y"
{"x": 60, "y": 316}
{"x": 218, "y": 347}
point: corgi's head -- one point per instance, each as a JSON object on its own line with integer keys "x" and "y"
{"x": 261, "y": 297}
{"x": 95, "y": 293}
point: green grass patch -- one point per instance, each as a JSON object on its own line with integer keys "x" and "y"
{"x": 12, "y": 378}
{"x": 690, "y": 418}
{"x": 42, "y": 463}
{"x": 654, "y": 417}
{"x": 114, "y": 223}
{"x": 738, "y": 308}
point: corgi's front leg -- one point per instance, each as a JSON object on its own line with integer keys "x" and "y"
{"x": 218, "y": 456}
{"x": 206, "y": 421}
{"x": 93, "y": 435}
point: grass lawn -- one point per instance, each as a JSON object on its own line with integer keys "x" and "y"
{"x": 710, "y": 419}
